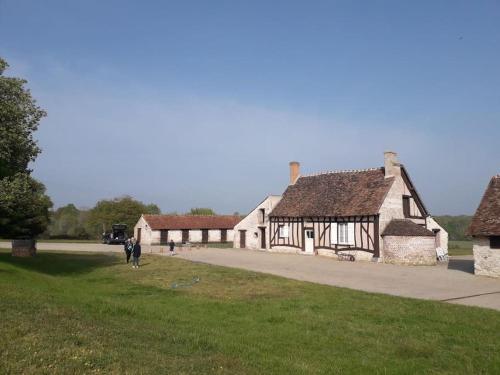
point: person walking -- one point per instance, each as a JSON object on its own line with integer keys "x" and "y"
{"x": 128, "y": 248}
{"x": 171, "y": 244}
{"x": 136, "y": 254}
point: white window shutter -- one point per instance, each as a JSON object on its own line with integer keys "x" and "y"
{"x": 333, "y": 233}
{"x": 285, "y": 231}
{"x": 350, "y": 233}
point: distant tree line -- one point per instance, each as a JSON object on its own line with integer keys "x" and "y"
{"x": 456, "y": 226}
{"x": 69, "y": 222}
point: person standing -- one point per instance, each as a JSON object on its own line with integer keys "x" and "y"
{"x": 128, "y": 248}
{"x": 136, "y": 254}
{"x": 171, "y": 244}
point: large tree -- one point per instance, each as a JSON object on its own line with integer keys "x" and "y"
{"x": 124, "y": 210}
{"x": 19, "y": 119}
{"x": 24, "y": 207}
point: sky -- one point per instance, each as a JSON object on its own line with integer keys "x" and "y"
{"x": 203, "y": 103}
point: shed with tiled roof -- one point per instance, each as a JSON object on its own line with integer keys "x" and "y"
{"x": 160, "y": 229}
{"x": 485, "y": 231}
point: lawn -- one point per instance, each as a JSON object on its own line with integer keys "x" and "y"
{"x": 460, "y": 247}
{"x": 74, "y": 313}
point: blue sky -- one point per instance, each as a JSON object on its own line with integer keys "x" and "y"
{"x": 204, "y": 103}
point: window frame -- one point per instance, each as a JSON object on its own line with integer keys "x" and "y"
{"x": 282, "y": 227}
{"x": 494, "y": 242}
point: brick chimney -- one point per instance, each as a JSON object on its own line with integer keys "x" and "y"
{"x": 391, "y": 164}
{"x": 294, "y": 171}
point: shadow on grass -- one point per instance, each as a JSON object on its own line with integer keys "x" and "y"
{"x": 60, "y": 263}
{"x": 464, "y": 265}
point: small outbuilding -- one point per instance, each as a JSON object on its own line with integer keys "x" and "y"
{"x": 408, "y": 243}
{"x": 485, "y": 232}
{"x": 160, "y": 229}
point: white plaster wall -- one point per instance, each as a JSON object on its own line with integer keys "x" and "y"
{"x": 358, "y": 254}
{"x": 486, "y": 259}
{"x": 252, "y": 222}
{"x": 214, "y": 235}
{"x": 443, "y": 235}
{"x": 230, "y": 235}
{"x": 175, "y": 235}
{"x": 195, "y": 235}
{"x": 154, "y": 237}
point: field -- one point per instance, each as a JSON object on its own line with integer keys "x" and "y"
{"x": 460, "y": 248}
{"x": 74, "y": 313}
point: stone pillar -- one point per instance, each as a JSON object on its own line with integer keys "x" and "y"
{"x": 24, "y": 248}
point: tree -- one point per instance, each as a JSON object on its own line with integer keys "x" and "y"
{"x": 201, "y": 211}
{"x": 24, "y": 207}
{"x": 119, "y": 210}
{"x": 68, "y": 222}
{"x": 19, "y": 119}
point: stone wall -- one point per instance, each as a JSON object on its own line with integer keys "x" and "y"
{"x": 252, "y": 222}
{"x": 486, "y": 259}
{"x": 409, "y": 250}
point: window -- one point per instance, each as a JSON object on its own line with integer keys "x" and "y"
{"x": 495, "y": 242}
{"x": 283, "y": 231}
{"x": 343, "y": 233}
{"x": 406, "y": 206}
{"x": 262, "y": 215}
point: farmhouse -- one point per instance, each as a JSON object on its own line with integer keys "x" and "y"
{"x": 370, "y": 214}
{"x": 485, "y": 231}
{"x": 160, "y": 229}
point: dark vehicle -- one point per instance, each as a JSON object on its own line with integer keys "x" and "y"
{"x": 118, "y": 235}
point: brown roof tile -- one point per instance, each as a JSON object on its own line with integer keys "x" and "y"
{"x": 157, "y": 222}
{"x": 405, "y": 227}
{"x": 349, "y": 193}
{"x": 486, "y": 221}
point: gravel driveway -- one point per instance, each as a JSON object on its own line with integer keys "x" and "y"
{"x": 453, "y": 282}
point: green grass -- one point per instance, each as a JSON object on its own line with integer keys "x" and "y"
{"x": 90, "y": 313}
{"x": 60, "y": 241}
{"x": 460, "y": 247}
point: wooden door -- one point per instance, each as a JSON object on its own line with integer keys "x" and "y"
{"x": 204, "y": 236}
{"x": 223, "y": 235}
{"x": 139, "y": 230}
{"x": 185, "y": 235}
{"x": 243, "y": 239}
{"x": 262, "y": 238}
{"x": 163, "y": 236}
{"x": 309, "y": 241}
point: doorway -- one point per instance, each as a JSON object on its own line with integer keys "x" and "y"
{"x": 263, "y": 238}
{"x": 309, "y": 241}
{"x": 243, "y": 239}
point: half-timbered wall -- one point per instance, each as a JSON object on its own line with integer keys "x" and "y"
{"x": 365, "y": 231}
{"x": 295, "y": 238}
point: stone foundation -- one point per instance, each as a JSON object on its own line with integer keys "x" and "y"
{"x": 486, "y": 259}
{"x": 410, "y": 250}
{"x": 23, "y": 248}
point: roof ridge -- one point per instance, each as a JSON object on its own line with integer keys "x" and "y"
{"x": 341, "y": 171}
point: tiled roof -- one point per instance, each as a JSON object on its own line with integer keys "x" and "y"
{"x": 405, "y": 227}
{"x": 157, "y": 222}
{"x": 343, "y": 193}
{"x": 486, "y": 221}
